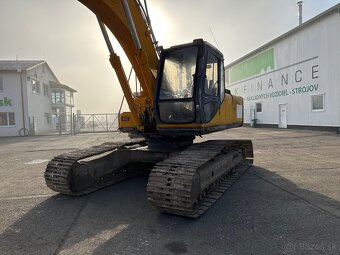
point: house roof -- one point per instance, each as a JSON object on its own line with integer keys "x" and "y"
{"x": 55, "y": 85}
{"x": 15, "y": 65}
{"x": 334, "y": 9}
{"x": 26, "y": 65}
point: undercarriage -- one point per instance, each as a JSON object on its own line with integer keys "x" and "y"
{"x": 186, "y": 181}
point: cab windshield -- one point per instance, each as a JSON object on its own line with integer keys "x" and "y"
{"x": 178, "y": 74}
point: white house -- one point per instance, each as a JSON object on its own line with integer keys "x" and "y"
{"x": 25, "y": 97}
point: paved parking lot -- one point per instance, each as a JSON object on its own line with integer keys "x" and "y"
{"x": 287, "y": 203}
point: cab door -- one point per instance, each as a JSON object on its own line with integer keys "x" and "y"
{"x": 211, "y": 93}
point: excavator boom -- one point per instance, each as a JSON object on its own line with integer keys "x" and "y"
{"x": 129, "y": 23}
{"x": 139, "y": 47}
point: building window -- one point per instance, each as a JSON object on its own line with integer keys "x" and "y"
{"x": 318, "y": 102}
{"x": 35, "y": 86}
{"x": 7, "y": 119}
{"x": 47, "y": 118}
{"x": 68, "y": 97}
{"x": 258, "y": 107}
{"x": 55, "y": 111}
{"x": 45, "y": 89}
{"x": 58, "y": 97}
{"x": 1, "y": 85}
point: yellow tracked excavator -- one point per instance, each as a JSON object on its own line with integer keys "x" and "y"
{"x": 182, "y": 96}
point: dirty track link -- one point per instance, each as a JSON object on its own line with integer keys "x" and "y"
{"x": 69, "y": 175}
{"x": 189, "y": 183}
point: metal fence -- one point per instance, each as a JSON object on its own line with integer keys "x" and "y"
{"x": 86, "y": 123}
{"x": 73, "y": 124}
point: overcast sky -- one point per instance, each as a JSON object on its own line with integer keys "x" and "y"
{"x": 67, "y": 36}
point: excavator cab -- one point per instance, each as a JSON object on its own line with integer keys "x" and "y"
{"x": 190, "y": 88}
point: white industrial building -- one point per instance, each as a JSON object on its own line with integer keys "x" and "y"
{"x": 26, "y": 97}
{"x": 294, "y": 80}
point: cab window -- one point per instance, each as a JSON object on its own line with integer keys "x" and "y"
{"x": 211, "y": 87}
{"x": 211, "y": 76}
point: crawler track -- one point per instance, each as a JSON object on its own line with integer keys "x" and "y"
{"x": 176, "y": 184}
{"x": 59, "y": 172}
{"x": 186, "y": 183}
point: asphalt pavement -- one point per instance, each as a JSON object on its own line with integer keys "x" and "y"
{"x": 287, "y": 203}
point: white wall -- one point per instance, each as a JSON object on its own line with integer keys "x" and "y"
{"x": 316, "y": 47}
{"x": 12, "y": 91}
{"x": 39, "y": 104}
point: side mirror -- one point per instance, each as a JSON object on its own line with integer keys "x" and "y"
{"x": 227, "y": 91}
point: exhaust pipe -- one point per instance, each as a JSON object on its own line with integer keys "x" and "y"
{"x": 299, "y": 3}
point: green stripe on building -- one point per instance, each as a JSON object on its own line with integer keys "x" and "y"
{"x": 252, "y": 66}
